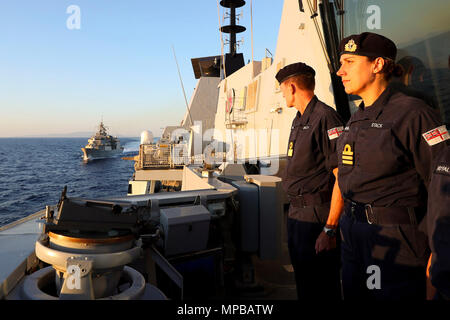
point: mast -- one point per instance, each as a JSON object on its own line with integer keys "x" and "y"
{"x": 232, "y": 28}
{"x": 233, "y": 60}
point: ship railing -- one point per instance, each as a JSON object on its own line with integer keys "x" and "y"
{"x": 236, "y": 118}
{"x": 173, "y": 155}
{"x": 162, "y": 156}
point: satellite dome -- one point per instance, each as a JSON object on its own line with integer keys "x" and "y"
{"x": 146, "y": 137}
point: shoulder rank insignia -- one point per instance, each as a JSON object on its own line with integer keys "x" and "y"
{"x": 291, "y": 149}
{"x": 351, "y": 46}
{"x": 347, "y": 155}
{"x": 436, "y": 135}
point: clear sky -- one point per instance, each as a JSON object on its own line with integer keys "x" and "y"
{"x": 118, "y": 65}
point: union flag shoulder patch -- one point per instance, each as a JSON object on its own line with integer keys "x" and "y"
{"x": 334, "y": 133}
{"x": 436, "y": 135}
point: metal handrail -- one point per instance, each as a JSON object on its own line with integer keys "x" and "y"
{"x": 162, "y": 156}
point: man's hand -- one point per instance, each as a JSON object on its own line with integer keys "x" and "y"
{"x": 325, "y": 242}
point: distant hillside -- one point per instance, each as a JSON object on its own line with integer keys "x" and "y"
{"x": 61, "y": 135}
{"x": 70, "y": 135}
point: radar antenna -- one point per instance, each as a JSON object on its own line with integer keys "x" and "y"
{"x": 232, "y": 28}
{"x": 233, "y": 60}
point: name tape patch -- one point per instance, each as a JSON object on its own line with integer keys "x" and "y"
{"x": 436, "y": 135}
{"x": 377, "y": 125}
{"x": 442, "y": 169}
{"x": 335, "y": 132}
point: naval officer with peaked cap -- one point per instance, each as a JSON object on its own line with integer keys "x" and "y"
{"x": 310, "y": 185}
{"x": 385, "y": 156}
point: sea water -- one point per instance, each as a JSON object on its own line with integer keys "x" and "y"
{"x": 34, "y": 171}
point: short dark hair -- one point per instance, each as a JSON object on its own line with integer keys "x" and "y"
{"x": 305, "y": 81}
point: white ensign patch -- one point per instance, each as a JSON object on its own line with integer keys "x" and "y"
{"x": 335, "y": 132}
{"x": 436, "y": 135}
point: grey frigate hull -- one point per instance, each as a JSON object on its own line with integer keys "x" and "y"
{"x": 102, "y": 145}
{"x": 90, "y": 154}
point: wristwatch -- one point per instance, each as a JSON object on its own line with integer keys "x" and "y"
{"x": 330, "y": 232}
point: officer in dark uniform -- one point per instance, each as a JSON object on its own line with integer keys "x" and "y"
{"x": 385, "y": 156}
{"x": 310, "y": 184}
{"x": 438, "y": 225}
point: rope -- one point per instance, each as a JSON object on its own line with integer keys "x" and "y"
{"x": 340, "y": 11}
{"x": 251, "y": 26}
{"x": 363, "y": 5}
{"x": 322, "y": 41}
{"x": 342, "y": 19}
{"x": 182, "y": 86}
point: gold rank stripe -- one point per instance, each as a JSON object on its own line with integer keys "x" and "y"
{"x": 291, "y": 150}
{"x": 347, "y": 155}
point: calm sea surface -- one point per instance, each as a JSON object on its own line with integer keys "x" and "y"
{"x": 34, "y": 171}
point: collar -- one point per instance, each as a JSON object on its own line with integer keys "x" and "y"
{"x": 304, "y": 119}
{"x": 372, "y": 112}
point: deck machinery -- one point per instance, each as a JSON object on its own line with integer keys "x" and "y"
{"x": 155, "y": 246}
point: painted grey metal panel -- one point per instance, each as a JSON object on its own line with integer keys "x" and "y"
{"x": 17, "y": 241}
{"x": 248, "y": 198}
{"x": 270, "y": 214}
{"x": 185, "y": 229}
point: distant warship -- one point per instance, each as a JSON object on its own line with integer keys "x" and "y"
{"x": 101, "y": 145}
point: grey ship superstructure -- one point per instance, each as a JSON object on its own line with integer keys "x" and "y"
{"x": 101, "y": 145}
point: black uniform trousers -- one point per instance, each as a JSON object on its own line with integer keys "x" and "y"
{"x": 398, "y": 252}
{"x": 317, "y": 276}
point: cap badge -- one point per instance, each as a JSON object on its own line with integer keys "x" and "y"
{"x": 351, "y": 46}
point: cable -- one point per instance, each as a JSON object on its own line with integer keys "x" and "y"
{"x": 182, "y": 86}
{"x": 342, "y": 19}
{"x": 251, "y": 27}
{"x": 322, "y": 41}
